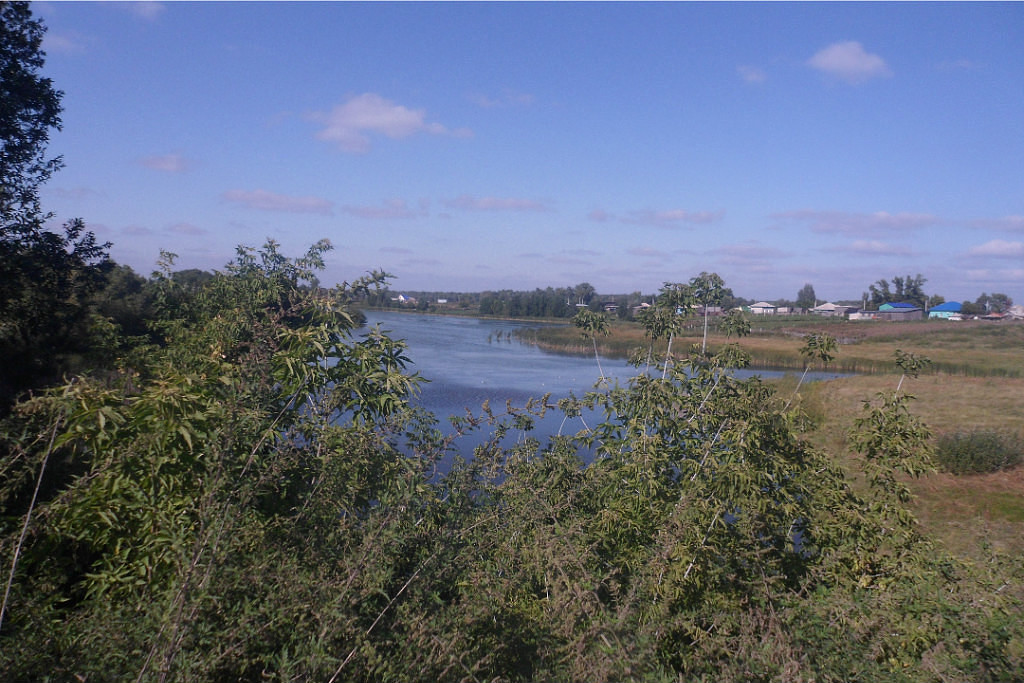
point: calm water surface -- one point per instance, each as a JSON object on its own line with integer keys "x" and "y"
{"x": 471, "y": 360}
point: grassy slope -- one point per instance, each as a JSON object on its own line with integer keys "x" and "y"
{"x": 976, "y": 380}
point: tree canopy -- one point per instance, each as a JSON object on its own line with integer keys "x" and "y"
{"x": 46, "y": 278}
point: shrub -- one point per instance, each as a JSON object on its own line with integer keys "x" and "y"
{"x": 978, "y": 451}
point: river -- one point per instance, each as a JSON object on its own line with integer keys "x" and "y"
{"x": 471, "y": 360}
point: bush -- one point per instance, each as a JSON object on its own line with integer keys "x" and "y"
{"x": 978, "y": 452}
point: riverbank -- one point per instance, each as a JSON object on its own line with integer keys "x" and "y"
{"x": 971, "y": 349}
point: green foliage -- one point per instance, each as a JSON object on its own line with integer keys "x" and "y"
{"x": 909, "y": 289}
{"x": 590, "y": 325}
{"x": 735, "y": 323}
{"x": 806, "y": 297}
{"x": 256, "y": 498}
{"x": 46, "y": 278}
{"x": 819, "y": 346}
{"x": 978, "y": 451}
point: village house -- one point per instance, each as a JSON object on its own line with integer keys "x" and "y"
{"x": 945, "y": 310}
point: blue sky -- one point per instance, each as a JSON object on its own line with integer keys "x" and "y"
{"x": 473, "y": 146}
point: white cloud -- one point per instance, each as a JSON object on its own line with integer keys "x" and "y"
{"x": 999, "y": 249}
{"x": 495, "y": 204}
{"x": 849, "y": 62}
{"x": 857, "y": 224}
{"x": 169, "y": 163}
{"x": 752, "y": 74}
{"x": 349, "y": 124}
{"x": 269, "y": 201}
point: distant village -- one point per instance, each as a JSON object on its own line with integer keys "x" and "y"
{"x": 949, "y": 310}
{"x": 524, "y": 304}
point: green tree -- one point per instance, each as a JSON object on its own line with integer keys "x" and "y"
{"x": 806, "y": 298}
{"x": 260, "y": 397}
{"x": 45, "y": 277}
{"x": 993, "y": 303}
{"x": 707, "y": 290}
{"x": 590, "y": 325}
{"x": 735, "y": 323}
{"x": 30, "y": 109}
{"x": 909, "y": 289}
{"x": 818, "y": 347}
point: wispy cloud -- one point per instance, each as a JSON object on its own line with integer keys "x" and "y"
{"x": 999, "y": 249}
{"x": 648, "y": 253}
{"x": 993, "y": 276}
{"x": 186, "y": 229}
{"x": 390, "y": 209}
{"x": 752, "y": 256}
{"x": 849, "y": 62}
{"x": 468, "y": 202}
{"x": 168, "y": 163}
{"x": 65, "y": 42}
{"x": 857, "y": 224}
{"x": 507, "y": 98}
{"x": 752, "y": 74}
{"x": 148, "y": 9}
{"x": 671, "y": 218}
{"x": 270, "y": 201}
{"x": 350, "y": 125}
{"x": 1007, "y": 223}
{"x": 77, "y": 193}
{"x": 872, "y": 247}
{"x": 958, "y": 65}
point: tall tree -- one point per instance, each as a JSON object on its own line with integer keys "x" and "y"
{"x": 29, "y": 108}
{"x": 707, "y": 290}
{"x": 806, "y": 297}
{"x": 45, "y": 277}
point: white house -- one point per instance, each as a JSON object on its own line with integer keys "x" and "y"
{"x": 762, "y": 308}
{"x": 830, "y": 310}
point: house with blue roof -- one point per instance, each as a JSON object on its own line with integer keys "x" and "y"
{"x": 946, "y": 310}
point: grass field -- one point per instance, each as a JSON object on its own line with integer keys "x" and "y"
{"x": 976, "y": 380}
{"x": 974, "y": 348}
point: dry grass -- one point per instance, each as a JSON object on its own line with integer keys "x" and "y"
{"x": 959, "y": 511}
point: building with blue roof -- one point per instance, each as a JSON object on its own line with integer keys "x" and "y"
{"x": 946, "y": 310}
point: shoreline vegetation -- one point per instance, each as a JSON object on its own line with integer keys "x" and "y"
{"x": 974, "y": 381}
